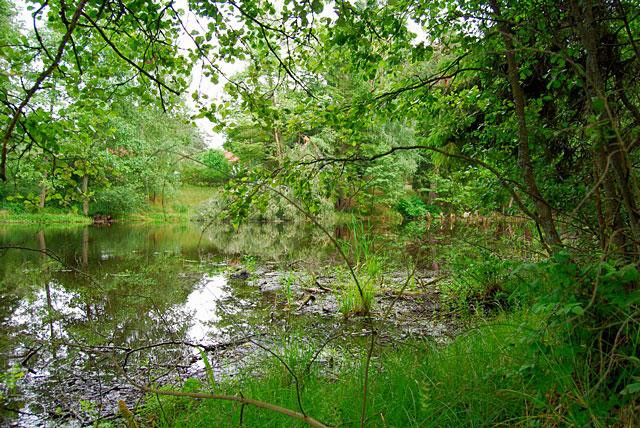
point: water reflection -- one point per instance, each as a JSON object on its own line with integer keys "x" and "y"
{"x": 202, "y": 303}
{"x": 107, "y": 291}
{"x": 143, "y": 294}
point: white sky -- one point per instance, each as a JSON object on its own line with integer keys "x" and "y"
{"x": 201, "y": 83}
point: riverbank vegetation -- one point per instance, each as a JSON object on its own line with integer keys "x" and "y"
{"x": 468, "y": 163}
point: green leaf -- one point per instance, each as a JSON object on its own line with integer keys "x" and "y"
{"x": 598, "y": 104}
{"x": 632, "y": 388}
{"x": 208, "y": 369}
{"x": 578, "y": 310}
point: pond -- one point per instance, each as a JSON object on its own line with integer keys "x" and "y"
{"x": 82, "y": 308}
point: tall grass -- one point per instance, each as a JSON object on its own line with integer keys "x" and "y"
{"x": 486, "y": 377}
{"x": 368, "y": 266}
{"x": 509, "y": 372}
{"x": 352, "y": 302}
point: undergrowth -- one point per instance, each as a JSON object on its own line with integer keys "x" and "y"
{"x": 564, "y": 354}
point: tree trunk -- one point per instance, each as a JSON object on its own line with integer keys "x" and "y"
{"x": 43, "y": 191}
{"x": 612, "y": 157}
{"x": 543, "y": 212}
{"x": 278, "y": 137}
{"x": 613, "y": 224}
{"x": 43, "y": 196}
{"x": 85, "y": 196}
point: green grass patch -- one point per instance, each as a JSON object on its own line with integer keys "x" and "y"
{"x": 7, "y": 217}
{"x": 494, "y": 374}
{"x": 190, "y": 196}
{"x": 155, "y": 217}
{"x": 352, "y": 302}
{"x": 180, "y": 207}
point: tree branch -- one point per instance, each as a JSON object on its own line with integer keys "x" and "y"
{"x": 127, "y": 59}
{"x": 36, "y": 86}
{"x": 504, "y": 181}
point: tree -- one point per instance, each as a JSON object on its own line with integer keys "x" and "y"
{"x": 89, "y": 38}
{"x": 508, "y": 85}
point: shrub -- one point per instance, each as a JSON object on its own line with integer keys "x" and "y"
{"x": 411, "y": 207}
{"x": 217, "y": 162}
{"x": 478, "y": 280}
{"x": 215, "y": 168}
{"x": 118, "y": 200}
{"x": 13, "y": 207}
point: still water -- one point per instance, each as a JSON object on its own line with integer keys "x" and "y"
{"x": 77, "y": 301}
{"x": 84, "y": 310}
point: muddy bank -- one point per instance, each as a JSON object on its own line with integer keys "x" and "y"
{"x": 414, "y": 311}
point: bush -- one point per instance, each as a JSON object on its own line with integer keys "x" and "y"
{"x": 216, "y": 169}
{"x": 479, "y": 281}
{"x": 117, "y": 200}
{"x": 411, "y": 207}
{"x": 12, "y": 207}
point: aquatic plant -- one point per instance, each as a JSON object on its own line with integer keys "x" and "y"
{"x": 357, "y": 302}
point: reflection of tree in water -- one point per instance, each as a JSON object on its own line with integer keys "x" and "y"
{"x": 67, "y": 322}
{"x": 267, "y": 240}
{"x": 123, "y": 288}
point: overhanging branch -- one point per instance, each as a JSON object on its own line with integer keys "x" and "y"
{"x": 36, "y": 86}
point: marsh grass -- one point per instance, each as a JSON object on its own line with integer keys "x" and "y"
{"x": 288, "y": 282}
{"x": 368, "y": 267}
{"x": 488, "y": 376}
{"x": 351, "y": 302}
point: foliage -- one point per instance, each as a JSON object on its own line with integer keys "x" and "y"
{"x": 479, "y": 279}
{"x": 411, "y": 208}
{"x": 590, "y": 307}
{"x": 9, "y": 379}
{"x": 118, "y": 200}
{"x": 213, "y": 168}
{"x": 516, "y": 108}
{"x": 215, "y": 160}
